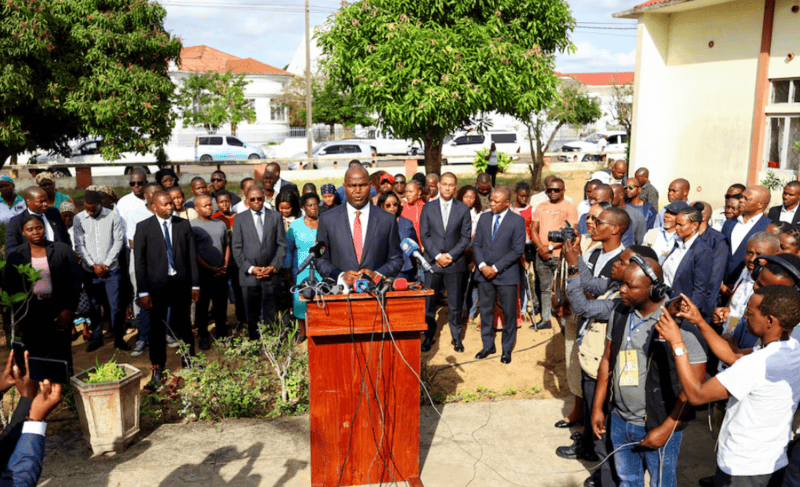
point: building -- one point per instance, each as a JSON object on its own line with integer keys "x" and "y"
{"x": 716, "y": 92}
{"x": 266, "y": 83}
{"x": 601, "y": 87}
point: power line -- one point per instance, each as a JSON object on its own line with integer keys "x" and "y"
{"x": 605, "y": 28}
{"x": 607, "y": 34}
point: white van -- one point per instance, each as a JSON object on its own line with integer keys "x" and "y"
{"x": 463, "y": 148}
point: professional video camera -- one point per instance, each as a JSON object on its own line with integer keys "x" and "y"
{"x": 563, "y": 235}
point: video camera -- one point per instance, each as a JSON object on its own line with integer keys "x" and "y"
{"x": 563, "y": 235}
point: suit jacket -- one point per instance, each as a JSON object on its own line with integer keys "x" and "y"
{"x": 12, "y": 432}
{"x": 405, "y": 229}
{"x": 693, "y": 277}
{"x": 25, "y": 465}
{"x": 719, "y": 251}
{"x": 736, "y": 259}
{"x": 14, "y": 231}
{"x": 65, "y": 273}
{"x": 381, "y": 252}
{"x": 288, "y": 186}
{"x": 248, "y": 253}
{"x": 774, "y": 214}
{"x": 504, "y": 251}
{"x": 452, "y": 240}
{"x": 150, "y": 255}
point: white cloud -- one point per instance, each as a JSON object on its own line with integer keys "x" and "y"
{"x": 588, "y": 59}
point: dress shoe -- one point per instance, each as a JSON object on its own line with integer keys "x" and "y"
{"x": 506, "y": 358}
{"x": 706, "y": 482}
{"x": 155, "y": 379}
{"x": 204, "y": 345}
{"x": 543, "y": 325}
{"x": 427, "y": 344}
{"x": 94, "y": 346}
{"x": 122, "y": 345}
{"x": 485, "y": 353}
{"x": 576, "y": 436}
{"x": 458, "y": 346}
{"x": 566, "y": 424}
{"x": 591, "y": 482}
{"x": 575, "y": 452}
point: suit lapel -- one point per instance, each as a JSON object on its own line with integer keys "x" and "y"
{"x": 685, "y": 261}
{"x": 437, "y": 214}
{"x": 503, "y": 226}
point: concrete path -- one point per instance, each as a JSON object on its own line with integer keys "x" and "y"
{"x": 508, "y": 443}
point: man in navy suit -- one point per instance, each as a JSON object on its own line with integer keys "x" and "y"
{"x": 361, "y": 238}
{"x": 167, "y": 277}
{"x": 54, "y": 228}
{"x": 737, "y": 230}
{"x": 445, "y": 230}
{"x": 498, "y": 245}
{"x": 791, "y": 202}
{"x": 258, "y": 246}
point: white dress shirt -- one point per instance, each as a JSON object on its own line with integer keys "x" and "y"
{"x": 49, "y": 234}
{"x": 445, "y": 207}
{"x": 741, "y": 229}
{"x": 499, "y": 224}
{"x": 670, "y": 266}
{"x": 364, "y": 217}
{"x": 788, "y": 215}
{"x": 170, "y": 270}
{"x": 742, "y": 291}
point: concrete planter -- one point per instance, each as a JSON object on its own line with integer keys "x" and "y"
{"x": 109, "y": 411}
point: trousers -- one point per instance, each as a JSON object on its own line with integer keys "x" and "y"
{"x": 454, "y": 283}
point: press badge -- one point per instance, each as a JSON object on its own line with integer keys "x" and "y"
{"x": 628, "y": 368}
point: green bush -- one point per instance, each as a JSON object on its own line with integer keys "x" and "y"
{"x": 480, "y": 163}
{"x": 107, "y": 372}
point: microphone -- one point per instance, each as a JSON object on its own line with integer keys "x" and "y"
{"x": 400, "y": 284}
{"x": 411, "y": 249}
{"x": 364, "y": 286}
{"x": 315, "y": 252}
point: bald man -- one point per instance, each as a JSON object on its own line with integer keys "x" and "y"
{"x": 788, "y": 211}
{"x": 738, "y": 230}
{"x": 37, "y": 204}
{"x": 618, "y": 172}
{"x": 432, "y": 182}
{"x": 648, "y": 192}
{"x": 678, "y": 191}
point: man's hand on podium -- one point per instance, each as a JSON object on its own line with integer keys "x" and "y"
{"x": 372, "y": 274}
{"x": 351, "y": 276}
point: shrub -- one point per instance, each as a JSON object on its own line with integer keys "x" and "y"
{"x": 480, "y": 163}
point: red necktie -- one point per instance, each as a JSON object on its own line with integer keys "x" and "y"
{"x": 357, "y": 243}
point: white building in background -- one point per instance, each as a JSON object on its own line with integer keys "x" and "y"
{"x": 297, "y": 66}
{"x": 601, "y": 87}
{"x": 266, "y": 83}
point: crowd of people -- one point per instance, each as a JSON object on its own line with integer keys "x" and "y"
{"x": 663, "y": 308}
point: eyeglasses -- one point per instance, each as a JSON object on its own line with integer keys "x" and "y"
{"x": 217, "y": 180}
{"x": 554, "y": 190}
{"x": 598, "y": 221}
{"x": 590, "y": 218}
{"x": 253, "y": 200}
{"x": 734, "y": 196}
{"x": 136, "y": 183}
{"x": 630, "y": 186}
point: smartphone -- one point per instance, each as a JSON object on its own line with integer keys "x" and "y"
{"x": 56, "y": 371}
{"x": 19, "y": 355}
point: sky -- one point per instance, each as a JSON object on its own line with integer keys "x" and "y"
{"x": 272, "y": 30}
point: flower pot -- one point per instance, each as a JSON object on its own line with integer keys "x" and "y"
{"x": 109, "y": 411}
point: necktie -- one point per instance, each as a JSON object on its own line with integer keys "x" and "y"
{"x": 357, "y": 243}
{"x": 168, "y": 240}
{"x": 260, "y": 226}
{"x": 496, "y": 225}
{"x": 445, "y": 214}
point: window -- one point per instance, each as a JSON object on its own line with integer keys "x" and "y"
{"x": 504, "y": 138}
{"x": 476, "y": 139}
{"x": 277, "y": 112}
{"x": 782, "y": 133}
{"x": 215, "y": 141}
{"x": 352, "y": 149}
{"x": 785, "y": 91}
{"x": 612, "y": 139}
{"x": 233, "y": 141}
{"x": 333, "y": 149}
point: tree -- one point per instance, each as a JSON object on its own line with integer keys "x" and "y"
{"x": 569, "y": 107}
{"x": 330, "y": 105}
{"x": 622, "y": 107}
{"x": 293, "y": 97}
{"x": 82, "y": 68}
{"x": 429, "y": 67}
{"x": 213, "y": 99}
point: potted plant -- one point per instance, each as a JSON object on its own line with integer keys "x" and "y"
{"x": 108, "y": 405}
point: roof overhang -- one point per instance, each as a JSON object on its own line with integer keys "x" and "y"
{"x": 666, "y": 7}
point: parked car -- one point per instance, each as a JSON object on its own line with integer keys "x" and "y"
{"x": 209, "y": 148}
{"x": 341, "y": 151}
{"x": 617, "y": 142}
{"x": 387, "y": 144}
{"x": 88, "y": 153}
{"x": 464, "y": 147}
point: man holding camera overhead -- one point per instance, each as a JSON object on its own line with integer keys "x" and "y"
{"x": 548, "y": 217}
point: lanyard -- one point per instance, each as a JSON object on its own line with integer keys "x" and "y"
{"x": 632, "y": 327}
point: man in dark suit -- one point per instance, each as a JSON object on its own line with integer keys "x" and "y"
{"x": 167, "y": 277}
{"x": 718, "y": 245}
{"x": 368, "y": 244}
{"x": 445, "y": 230}
{"x": 788, "y": 211}
{"x": 54, "y": 228}
{"x": 258, "y": 245}
{"x": 498, "y": 245}
{"x": 738, "y": 230}
{"x": 281, "y": 185}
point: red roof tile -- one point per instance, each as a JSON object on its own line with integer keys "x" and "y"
{"x": 204, "y": 58}
{"x": 601, "y": 79}
{"x": 650, "y": 2}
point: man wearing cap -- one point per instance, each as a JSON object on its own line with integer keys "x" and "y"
{"x": 11, "y": 204}
{"x": 386, "y": 183}
{"x": 662, "y": 239}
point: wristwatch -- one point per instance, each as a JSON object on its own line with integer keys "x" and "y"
{"x": 572, "y": 270}
{"x": 679, "y": 351}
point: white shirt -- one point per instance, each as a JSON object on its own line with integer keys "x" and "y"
{"x": 661, "y": 241}
{"x": 499, "y": 223}
{"x": 445, "y": 207}
{"x": 788, "y": 215}
{"x": 583, "y": 208}
{"x": 765, "y": 389}
{"x": 741, "y": 229}
{"x": 718, "y": 219}
{"x": 602, "y": 144}
{"x": 128, "y": 203}
{"x": 170, "y": 270}
{"x": 742, "y": 291}
{"x": 603, "y": 259}
{"x": 49, "y": 234}
{"x": 492, "y": 159}
{"x": 674, "y": 259}
{"x": 364, "y": 218}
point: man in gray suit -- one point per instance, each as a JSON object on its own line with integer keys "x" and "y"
{"x": 259, "y": 247}
{"x": 445, "y": 230}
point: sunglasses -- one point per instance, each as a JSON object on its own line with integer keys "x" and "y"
{"x": 554, "y": 190}
{"x": 590, "y": 218}
{"x": 734, "y": 196}
{"x": 598, "y": 221}
{"x": 631, "y": 187}
{"x": 136, "y": 183}
{"x": 253, "y": 200}
{"x": 217, "y": 180}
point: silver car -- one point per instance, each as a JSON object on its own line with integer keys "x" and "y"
{"x": 343, "y": 152}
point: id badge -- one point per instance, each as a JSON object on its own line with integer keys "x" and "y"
{"x": 628, "y": 368}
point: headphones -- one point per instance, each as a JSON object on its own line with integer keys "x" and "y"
{"x": 783, "y": 264}
{"x": 658, "y": 290}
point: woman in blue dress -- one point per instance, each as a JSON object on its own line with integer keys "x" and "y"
{"x": 390, "y": 202}
{"x": 300, "y": 237}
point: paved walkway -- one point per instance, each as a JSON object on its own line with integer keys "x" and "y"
{"x": 490, "y": 444}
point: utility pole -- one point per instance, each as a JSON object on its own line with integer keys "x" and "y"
{"x": 309, "y": 131}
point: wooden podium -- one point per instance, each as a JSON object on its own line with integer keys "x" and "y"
{"x": 364, "y": 398}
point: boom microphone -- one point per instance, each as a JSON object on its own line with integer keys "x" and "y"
{"x": 411, "y": 249}
{"x": 315, "y": 252}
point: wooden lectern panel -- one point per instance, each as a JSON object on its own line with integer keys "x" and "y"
{"x": 364, "y": 398}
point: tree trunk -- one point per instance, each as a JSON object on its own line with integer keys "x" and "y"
{"x": 233, "y": 129}
{"x": 3, "y": 156}
{"x": 331, "y": 131}
{"x": 433, "y": 155}
{"x": 537, "y": 162}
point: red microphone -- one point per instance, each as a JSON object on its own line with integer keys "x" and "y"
{"x": 400, "y": 284}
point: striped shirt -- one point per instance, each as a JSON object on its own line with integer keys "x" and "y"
{"x": 99, "y": 240}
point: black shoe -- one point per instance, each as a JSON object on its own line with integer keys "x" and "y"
{"x": 94, "y": 346}
{"x": 591, "y": 482}
{"x": 506, "y": 358}
{"x": 426, "y": 344}
{"x": 706, "y": 482}
{"x": 122, "y": 345}
{"x": 458, "y": 346}
{"x": 543, "y": 325}
{"x": 575, "y": 452}
{"x": 155, "y": 380}
{"x": 576, "y": 436}
{"x": 565, "y": 424}
{"x": 204, "y": 345}
{"x": 485, "y": 353}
